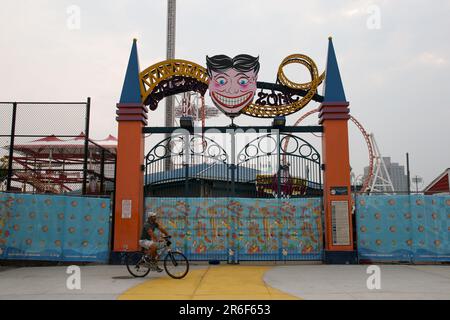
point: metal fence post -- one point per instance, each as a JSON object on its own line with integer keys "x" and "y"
{"x": 233, "y": 162}
{"x": 86, "y": 146}
{"x": 408, "y": 175}
{"x": 102, "y": 172}
{"x": 186, "y": 165}
{"x": 279, "y": 165}
{"x": 11, "y": 147}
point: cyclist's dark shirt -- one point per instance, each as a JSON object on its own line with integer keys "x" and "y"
{"x": 148, "y": 226}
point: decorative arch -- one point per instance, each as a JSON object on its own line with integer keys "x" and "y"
{"x": 171, "y": 77}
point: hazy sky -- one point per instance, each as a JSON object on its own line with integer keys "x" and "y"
{"x": 395, "y": 70}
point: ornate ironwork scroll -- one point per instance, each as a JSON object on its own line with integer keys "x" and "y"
{"x": 284, "y": 169}
{"x": 205, "y": 157}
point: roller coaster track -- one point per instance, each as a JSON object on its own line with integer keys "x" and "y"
{"x": 364, "y": 133}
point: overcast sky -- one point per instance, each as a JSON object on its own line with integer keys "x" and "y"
{"x": 395, "y": 70}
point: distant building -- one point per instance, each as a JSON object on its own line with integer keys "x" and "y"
{"x": 396, "y": 172}
{"x": 440, "y": 184}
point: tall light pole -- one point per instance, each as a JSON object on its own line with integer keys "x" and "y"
{"x": 171, "y": 29}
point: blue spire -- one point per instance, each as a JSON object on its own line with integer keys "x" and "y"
{"x": 333, "y": 88}
{"x": 131, "y": 92}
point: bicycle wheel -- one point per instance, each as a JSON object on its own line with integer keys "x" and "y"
{"x": 136, "y": 264}
{"x": 176, "y": 265}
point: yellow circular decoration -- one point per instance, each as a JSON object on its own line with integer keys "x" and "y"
{"x": 268, "y": 111}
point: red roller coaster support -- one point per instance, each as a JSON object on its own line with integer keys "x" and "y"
{"x": 368, "y": 179}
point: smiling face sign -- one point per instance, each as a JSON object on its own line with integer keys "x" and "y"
{"x": 232, "y": 82}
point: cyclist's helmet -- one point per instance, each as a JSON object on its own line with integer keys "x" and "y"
{"x": 151, "y": 214}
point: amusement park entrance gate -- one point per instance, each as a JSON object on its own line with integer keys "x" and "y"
{"x": 262, "y": 201}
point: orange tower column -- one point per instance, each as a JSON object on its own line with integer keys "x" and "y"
{"x": 129, "y": 198}
{"x": 334, "y": 116}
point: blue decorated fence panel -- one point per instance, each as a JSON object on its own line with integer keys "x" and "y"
{"x": 54, "y": 228}
{"x": 414, "y": 228}
{"x": 243, "y": 228}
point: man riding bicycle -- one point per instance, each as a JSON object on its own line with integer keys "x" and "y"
{"x": 149, "y": 239}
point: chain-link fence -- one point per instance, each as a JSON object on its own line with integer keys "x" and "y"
{"x": 45, "y": 148}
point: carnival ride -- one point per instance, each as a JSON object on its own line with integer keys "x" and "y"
{"x": 53, "y": 165}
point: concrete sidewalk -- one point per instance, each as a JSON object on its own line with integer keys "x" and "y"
{"x": 299, "y": 281}
{"x": 325, "y": 282}
{"x": 49, "y": 283}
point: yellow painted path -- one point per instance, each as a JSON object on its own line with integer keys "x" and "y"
{"x": 211, "y": 283}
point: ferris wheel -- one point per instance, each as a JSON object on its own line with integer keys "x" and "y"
{"x": 367, "y": 137}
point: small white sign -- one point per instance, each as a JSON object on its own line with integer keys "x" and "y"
{"x": 126, "y": 209}
{"x": 340, "y": 223}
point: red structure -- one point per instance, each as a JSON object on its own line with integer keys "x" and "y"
{"x": 440, "y": 184}
{"x": 54, "y": 165}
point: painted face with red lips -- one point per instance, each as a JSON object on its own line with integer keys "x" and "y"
{"x": 232, "y": 82}
{"x": 233, "y": 90}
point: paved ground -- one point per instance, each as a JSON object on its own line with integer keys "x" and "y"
{"x": 230, "y": 282}
{"x": 211, "y": 283}
{"x": 349, "y": 282}
{"x": 97, "y": 282}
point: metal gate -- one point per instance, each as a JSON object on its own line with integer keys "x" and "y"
{"x": 261, "y": 203}
{"x": 239, "y": 229}
{"x": 183, "y": 165}
{"x": 274, "y": 165}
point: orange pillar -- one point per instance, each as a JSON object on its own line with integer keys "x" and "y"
{"x": 129, "y": 197}
{"x": 129, "y": 201}
{"x": 336, "y": 189}
{"x": 334, "y": 116}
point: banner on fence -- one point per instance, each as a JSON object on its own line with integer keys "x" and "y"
{"x": 243, "y": 228}
{"x": 56, "y": 228}
{"x": 404, "y": 228}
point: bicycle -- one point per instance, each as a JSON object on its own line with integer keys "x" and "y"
{"x": 176, "y": 265}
